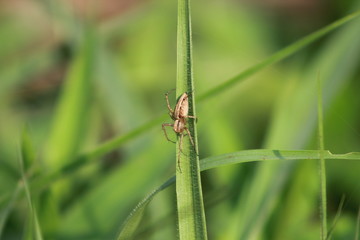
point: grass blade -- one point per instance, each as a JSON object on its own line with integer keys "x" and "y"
{"x": 337, "y": 217}
{"x": 133, "y": 220}
{"x": 99, "y": 213}
{"x": 357, "y": 231}
{"x": 280, "y": 55}
{"x": 322, "y": 164}
{"x": 72, "y": 112}
{"x": 261, "y": 155}
{"x": 190, "y": 206}
{"x": 34, "y": 230}
{"x": 5, "y": 211}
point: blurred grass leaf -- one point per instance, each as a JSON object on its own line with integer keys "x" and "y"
{"x": 5, "y": 208}
{"x": 33, "y": 229}
{"x": 280, "y": 55}
{"x": 27, "y": 150}
{"x": 133, "y": 220}
{"x": 71, "y": 115}
{"x": 109, "y": 200}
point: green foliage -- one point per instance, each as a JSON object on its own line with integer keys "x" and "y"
{"x": 88, "y": 82}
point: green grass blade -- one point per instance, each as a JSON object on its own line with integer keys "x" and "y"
{"x": 133, "y": 220}
{"x": 357, "y": 231}
{"x": 5, "y": 211}
{"x": 280, "y": 55}
{"x": 262, "y": 155}
{"x": 109, "y": 199}
{"x": 72, "y": 113}
{"x": 265, "y": 155}
{"x": 113, "y": 144}
{"x": 190, "y": 206}
{"x": 34, "y": 230}
{"x": 86, "y": 158}
{"x": 337, "y": 217}
{"x": 27, "y": 150}
{"x": 323, "y": 215}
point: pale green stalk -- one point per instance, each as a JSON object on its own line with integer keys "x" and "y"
{"x": 190, "y": 207}
{"x": 322, "y": 165}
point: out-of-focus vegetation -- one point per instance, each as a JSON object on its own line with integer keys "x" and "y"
{"x": 75, "y": 74}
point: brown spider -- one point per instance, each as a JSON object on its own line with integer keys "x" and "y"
{"x": 179, "y": 115}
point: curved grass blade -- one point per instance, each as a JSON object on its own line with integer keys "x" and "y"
{"x": 262, "y": 155}
{"x": 190, "y": 206}
{"x": 113, "y": 144}
{"x": 133, "y": 220}
{"x": 110, "y": 198}
{"x": 337, "y": 217}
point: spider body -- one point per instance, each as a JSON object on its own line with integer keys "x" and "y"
{"x": 181, "y": 108}
{"x": 179, "y": 115}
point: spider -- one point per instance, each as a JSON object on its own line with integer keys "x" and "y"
{"x": 179, "y": 115}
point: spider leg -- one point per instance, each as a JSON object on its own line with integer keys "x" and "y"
{"x": 180, "y": 150}
{"x": 168, "y": 104}
{"x": 163, "y": 128}
{"x": 191, "y": 139}
{"x": 193, "y": 117}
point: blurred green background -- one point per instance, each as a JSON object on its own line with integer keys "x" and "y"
{"x": 76, "y": 73}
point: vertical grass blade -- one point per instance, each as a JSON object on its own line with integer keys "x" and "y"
{"x": 33, "y": 230}
{"x": 191, "y": 214}
{"x": 322, "y": 164}
{"x": 73, "y": 108}
{"x": 357, "y": 226}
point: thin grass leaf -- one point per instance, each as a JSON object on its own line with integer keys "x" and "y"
{"x": 262, "y": 155}
{"x": 190, "y": 206}
{"x": 133, "y": 220}
{"x": 108, "y": 201}
{"x": 72, "y": 113}
{"x": 357, "y": 231}
{"x": 28, "y": 156}
{"x": 337, "y": 217}
{"x": 5, "y": 211}
{"x": 34, "y": 227}
{"x": 322, "y": 173}
{"x": 113, "y": 144}
{"x": 86, "y": 158}
{"x": 27, "y": 150}
{"x": 34, "y": 230}
{"x": 280, "y": 55}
